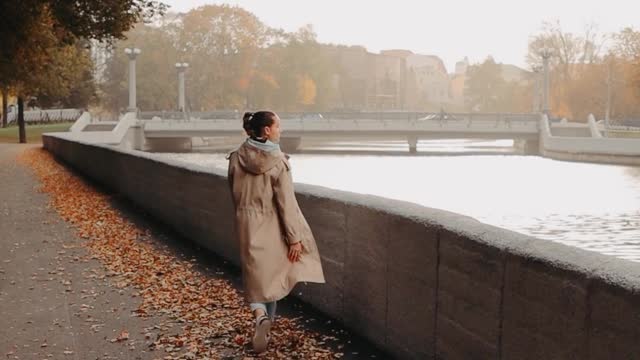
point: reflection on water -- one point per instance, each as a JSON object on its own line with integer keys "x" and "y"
{"x": 425, "y": 147}
{"x": 591, "y": 206}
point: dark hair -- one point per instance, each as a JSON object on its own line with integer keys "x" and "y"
{"x": 254, "y": 123}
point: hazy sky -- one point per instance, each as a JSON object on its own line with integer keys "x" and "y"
{"x": 449, "y": 29}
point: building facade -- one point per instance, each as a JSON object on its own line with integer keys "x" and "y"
{"x": 428, "y": 85}
{"x": 367, "y": 81}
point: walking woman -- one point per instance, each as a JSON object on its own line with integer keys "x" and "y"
{"x": 277, "y": 248}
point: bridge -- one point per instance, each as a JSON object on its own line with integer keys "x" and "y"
{"x": 533, "y": 134}
{"x": 360, "y": 126}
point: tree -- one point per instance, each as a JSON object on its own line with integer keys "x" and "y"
{"x": 5, "y": 98}
{"x": 303, "y": 70}
{"x": 625, "y": 90}
{"x": 34, "y": 31}
{"x": 484, "y": 86}
{"x": 28, "y": 68}
{"x": 573, "y": 55}
{"x": 221, "y": 44}
{"x": 627, "y": 48}
{"x": 67, "y": 80}
{"x": 487, "y": 90}
{"x": 155, "y": 70}
{"x": 306, "y": 90}
{"x": 235, "y": 61}
{"x": 586, "y": 93}
{"x": 624, "y": 67}
{"x": 627, "y": 44}
{"x": 569, "y": 50}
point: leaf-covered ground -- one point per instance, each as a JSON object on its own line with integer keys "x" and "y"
{"x": 214, "y": 321}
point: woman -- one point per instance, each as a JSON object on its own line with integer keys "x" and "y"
{"x": 277, "y": 248}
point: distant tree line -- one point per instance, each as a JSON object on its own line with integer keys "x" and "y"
{"x": 235, "y": 62}
{"x": 581, "y": 68}
{"x": 49, "y": 53}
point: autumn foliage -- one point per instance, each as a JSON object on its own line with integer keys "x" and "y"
{"x": 216, "y": 322}
{"x": 585, "y": 67}
{"x": 235, "y": 62}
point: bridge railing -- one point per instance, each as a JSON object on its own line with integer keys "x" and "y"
{"x": 411, "y": 116}
{"x": 434, "y": 119}
{"x": 349, "y": 116}
{"x": 46, "y": 116}
{"x": 623, "y": 128}
{"x": 484, "y": 123}
{"x": 462, "y": 125}
{"x": 179, "y": 115}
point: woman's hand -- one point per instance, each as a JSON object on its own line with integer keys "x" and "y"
{"x": 295, "y": 250}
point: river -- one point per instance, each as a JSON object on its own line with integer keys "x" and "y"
{"x": 591, "y": 206}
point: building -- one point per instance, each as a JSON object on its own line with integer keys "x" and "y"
{"x": 510, "y": 73}
{"x": 427, "y": 78}
{"x": 400, "y": 80}
{"x": 387, "y": 82}
{"x": 367, "y": 81}
{"x": 458, "y": 80}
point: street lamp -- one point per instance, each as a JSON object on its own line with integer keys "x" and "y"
{"x": 181, "y": 67}
{"x": 610, "y": 80}
{"x": 132, "y": 53}
{"x": 536, "y": 88}
{"x": 546, "y": 54}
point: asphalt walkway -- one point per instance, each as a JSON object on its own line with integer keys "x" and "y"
{"x": 56, "y": 302}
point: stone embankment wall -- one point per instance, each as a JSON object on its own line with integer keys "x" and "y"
{"x": 420, "y": 283}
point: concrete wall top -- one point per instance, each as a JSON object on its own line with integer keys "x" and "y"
{"x": 114, "y": 136}
{"x": 610, "y": 269}
{"x": 81, "y": 122}
{"x": 622, "y": 273}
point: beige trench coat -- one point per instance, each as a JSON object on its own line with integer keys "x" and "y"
{"x": 268, "y": 218}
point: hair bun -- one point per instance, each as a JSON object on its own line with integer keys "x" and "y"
{"x": 254, "y": 123}
{"x": 246, "y": 123}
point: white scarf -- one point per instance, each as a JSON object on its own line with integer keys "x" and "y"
{"x": 267, "y": 146}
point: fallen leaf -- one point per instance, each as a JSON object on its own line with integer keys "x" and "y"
{"x": 208, "y": 316}
{"x": 239, "y": 339}
{"x": 124, "y": 335}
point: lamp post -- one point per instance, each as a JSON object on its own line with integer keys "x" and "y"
{"x": 536, "y": 88}
{"x": 607, "y": 113}
{"x": 181, "y": 67}
{"x": 546, "y": 54}
{"x": 132, "y": 53}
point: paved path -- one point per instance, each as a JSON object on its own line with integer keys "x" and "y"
{"x": 58, "y": 303}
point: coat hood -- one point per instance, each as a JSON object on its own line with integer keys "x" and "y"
{"x": 258, "y": 161}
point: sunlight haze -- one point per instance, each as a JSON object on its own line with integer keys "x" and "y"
{"x": 451, "y": 30}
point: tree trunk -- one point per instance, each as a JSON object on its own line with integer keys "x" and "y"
{"x": 5, "y": 106}
{"x": 21, "y": 127}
